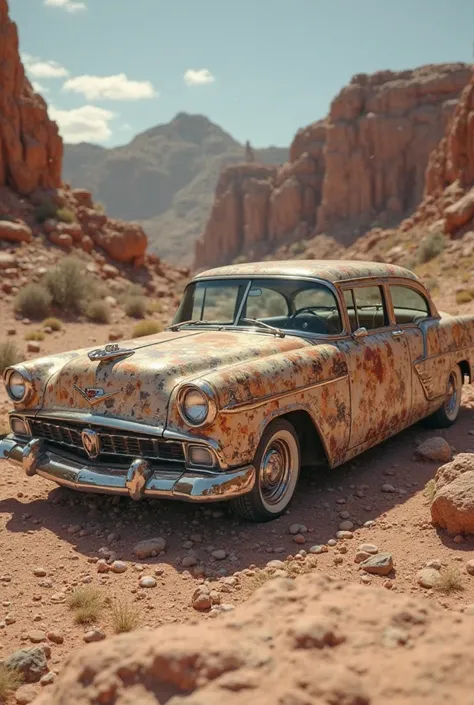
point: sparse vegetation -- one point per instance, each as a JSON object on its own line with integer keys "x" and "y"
{"x": 98, "y": 312}
{"x": 450, "y": 580}
{"x": 9, "y": 355}
{"x": 99, "y": 207}
{"x": 35, "y": 335}
{"x": 148, "y": 327}
{"x": 464, "y": 296}
{"x": 125, "y": 617}
{"x": 53, "y": 323}
{"x": 45, "y": 211}
{"x": 65, "y": 215}
{"x": 33, "y": 301}
{"x": 430, "y": 247}
{"x": 10, "y": 680}
{"x": 135, "y": 306}
{"x": 87, "y": 603}
{"x": 430, "y": 490}
{"x": 153, "y": 306}
{"x": 68, "y": 285}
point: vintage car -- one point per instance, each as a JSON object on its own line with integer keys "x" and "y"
{"x": 266, "y": 367}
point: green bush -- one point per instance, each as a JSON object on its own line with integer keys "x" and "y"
{"x": 45, "y": 211}
{"x": 430, "y": 247}
{"x": 33, "y": 301}
{"x": 35, "y": 335}
{"x": 98, "y": 312}
{"x": 65, "y": 215}
{"x": 8, "y": 355}
{"x": 68, "y": 285}
{"x": 148, "y": 327}
{"x": 53, "y": 323}
{"x": 135, "y": 306}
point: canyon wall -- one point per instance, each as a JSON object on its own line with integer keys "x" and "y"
{"x": 363, "y": 165}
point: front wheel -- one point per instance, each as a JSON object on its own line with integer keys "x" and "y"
{"x": 449, "y": 412}
{"x": 277, "y": 462}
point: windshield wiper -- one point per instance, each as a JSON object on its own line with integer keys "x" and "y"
{"x": 195, "y": 322}
{"x": 273, "y": 329}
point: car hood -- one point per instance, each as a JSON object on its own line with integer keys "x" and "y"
{"x": 138, "y": 388}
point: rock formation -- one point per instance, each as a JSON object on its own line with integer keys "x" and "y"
{"x": 364, "y": 164}
{"x": 30, "y": 147}
{"x": 310, "y": 641}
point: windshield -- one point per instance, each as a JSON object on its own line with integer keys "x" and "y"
{"x": 288, "y": 304}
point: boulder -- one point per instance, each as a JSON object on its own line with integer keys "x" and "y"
{"x": 31, "y": 663}
{"x": 452, "y": 507}
{"x": 15, "y": 232}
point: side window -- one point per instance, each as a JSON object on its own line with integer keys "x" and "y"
{"x": 266, "y": 303}
{"x": 409, "y": 305}
{"x": 366, "y": 307}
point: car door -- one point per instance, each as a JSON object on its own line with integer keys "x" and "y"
{"x": 378, "y": 360}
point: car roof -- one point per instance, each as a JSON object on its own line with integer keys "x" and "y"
{"x": 331, "y": 270}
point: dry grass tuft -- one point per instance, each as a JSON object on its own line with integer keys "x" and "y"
{"x": 135, "y": 306}
{"x": 9, "y": 355}
{"x": 430, "y": 490}
{"x": 98, "y": 312}
{"x": 53, "y": 323}
{"x": 125, "y": 617}
{"x": 37, "y": 335}
{"x": 146, "y": 328}
{"x": 33, "y": 301}
{"x": 10, "y": 680}
{"x": 87, "y": 603}
{"x": 450, "y": 580}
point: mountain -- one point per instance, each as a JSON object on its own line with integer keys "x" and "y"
{"x": 164, "y": 178}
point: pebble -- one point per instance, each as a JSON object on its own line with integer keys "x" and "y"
{"x": 93, "y": 635}
{"x": 344, "y": 535}
{"x": 55, "y": 637}
{"x": 299, "y": 539}
{"x": 427, "y": 577}
{"x": 40, "y": 572}
{"x": 102, "y": 566}
{"x": 219, "y": 555}
{"x": 332, "y": 542}
{"x": 388, "y": 488}
{"x": 346, "y": 526}
{"x": 435, "y": 563}
{"x": 147, "y": 581}
{"x": 470, "y": 567}
{"x": 118, "y": 567}
{"x": 380, "y": 564}
{"x": 298, "y": 529}
{"x": 150, "y": 547}
{"x": 189, "y": 561}
{"x": 25, "y": 694}
{"x": 318, "y": 549}
{"x": 48, "y": 678}
{"x": 36, "y": 636}
{"x": 368, "y": 548}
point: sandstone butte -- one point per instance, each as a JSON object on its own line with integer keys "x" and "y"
{"x": 361, "y": 166}
{"x": 31, "y": 153}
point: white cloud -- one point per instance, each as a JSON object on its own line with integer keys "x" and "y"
{"x": 86, "y": 124}
{"x": 68, "y": 5}
{"x": 117, "y": 87}
{"x": 39, "y": 88}
{"x": 198, "y": 77}
{"x": 43, "y": 69}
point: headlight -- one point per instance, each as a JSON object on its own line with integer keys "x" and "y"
{"x": 196, "y": 406}
{"x": 17, "y": 386}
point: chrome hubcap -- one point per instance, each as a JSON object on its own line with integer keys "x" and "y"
{"x": 275, "y": 472}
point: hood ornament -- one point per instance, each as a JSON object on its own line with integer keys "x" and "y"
{"x": 91, "y": 443}
{"x": 94, "y": 395}
{"x": 110, "y": 352}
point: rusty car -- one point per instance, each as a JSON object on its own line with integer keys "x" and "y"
{"x": 266, "y": 367}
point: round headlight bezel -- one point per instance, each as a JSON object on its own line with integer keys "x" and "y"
{"x": 25, "y": 383}
{"x": 206, "y": 396}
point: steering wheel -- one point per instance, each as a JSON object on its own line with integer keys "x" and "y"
{"x": 307, "y": 309}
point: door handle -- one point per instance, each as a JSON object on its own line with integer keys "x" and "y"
{"x": 397, "y": 333}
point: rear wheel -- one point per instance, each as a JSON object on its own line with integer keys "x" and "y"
{"x": 277, "y": 462}
{"x": 449, "y": 412}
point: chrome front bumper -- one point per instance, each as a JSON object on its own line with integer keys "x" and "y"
{"x": 140, "y": 480}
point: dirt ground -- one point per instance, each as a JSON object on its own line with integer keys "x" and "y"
{"x": 60, "y": 534}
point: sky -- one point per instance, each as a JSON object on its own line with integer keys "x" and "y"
{"x": 260, "y": 69}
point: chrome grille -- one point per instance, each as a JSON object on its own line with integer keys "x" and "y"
{"x": 112, "y": 442}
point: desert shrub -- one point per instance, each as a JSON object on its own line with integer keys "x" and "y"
{"x": 153, "y": 306}
{"x": 87, "y": 603}
{"x": 10, "y": 680}
{"x": 125, "y": 617}
{"x": 430, "y": 490}
{"x": 430, "y": 247}
{"x": 450, "y": 580}
{"x": 99, "y": 207}
{"x": 65, "y": 215}
{"x": 135, "y": 306}
{"x": 53, "y": 323}
{"x": 464, "y": 296}
{"x": 45, "y": 211}
{"x": 148, "y": 327}
{"x": 98, "y": 312}
{"x": 33, "y": 301}
{"x": 68, "y": 285}
{"x": 35, "y": 335}
{"x": 9, "y": 355}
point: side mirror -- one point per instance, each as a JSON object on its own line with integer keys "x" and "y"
{"x": 359, "y": 333}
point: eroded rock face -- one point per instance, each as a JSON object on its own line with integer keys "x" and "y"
{"x": 364, "y": 164}
{"x": 331, "y": 643}
{"x": 30, "y": 147}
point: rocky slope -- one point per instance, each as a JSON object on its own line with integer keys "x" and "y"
{"x": 363, "y": 165}
{"x": 164, "y": 178}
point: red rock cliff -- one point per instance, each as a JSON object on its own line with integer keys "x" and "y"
{"x": 30, "y": 147}
{"x": 364, "y": 163}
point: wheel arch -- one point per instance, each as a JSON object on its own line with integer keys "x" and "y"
{"x": 465, "y": 368}
{"x": 312, "y": 446}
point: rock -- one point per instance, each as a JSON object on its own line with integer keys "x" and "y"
{"x": 33, "y": 347}
{"x": 344, "y": 535}
{"x": 361, "y": 556}
{"x": 147, "y": 581}
{"x": 388, "y": 488}
{"x": 189, "y": 561}
{"x": 83, "y": 197}
{"x": 318, "y": 549}
{"x": 149, "y": 547}
{"x": 380, "y": 564}
{"x": 48, "y": 678}
{"x": 118, "y": 567}
{"x": 428, "y": 577}
{"x": 459, "y": 213}
{"x": 7, "y": 261}
{"x": 436, "y": 449}
{"x": 435, "y": 563}
{"x": 25, "y": 694}
{"x": 470, "y": 566}
{"x": 14, "y": 232}
{"x": 298, "y": 529}
{"x": 36, "y": 636}
{"x": 40, "y": 573}
{"x": 94, "y": 635}
{"x": 123, "y": 242}
{"x": 55, "y": 637}
{"x": 346, "y": 526}
{"x": 31, "y": 663}
{"x": 452, "y": 507}
{"x": 219, "y": 555}
{"x": 326, "y": 646}
{"x": 368, "y": 548}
